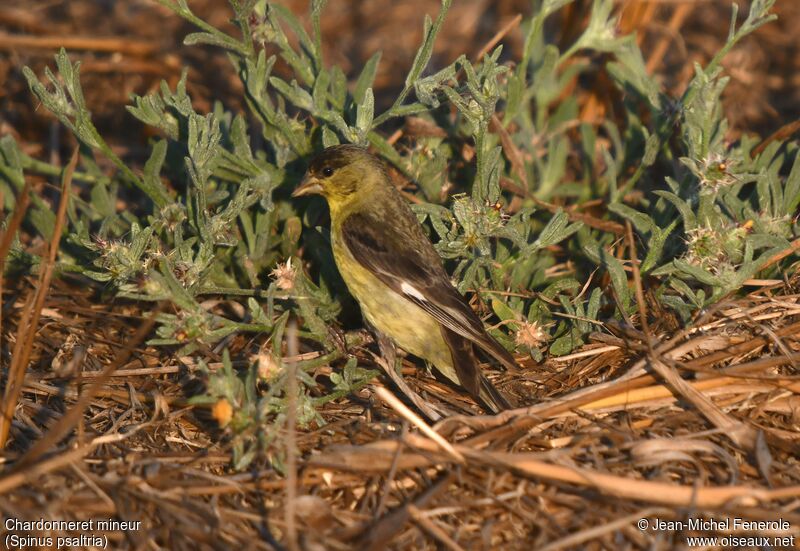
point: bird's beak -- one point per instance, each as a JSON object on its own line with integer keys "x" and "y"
{"x": 309, "y": 186}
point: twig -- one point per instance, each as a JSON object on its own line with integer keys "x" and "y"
{"x": 13, "y": 224}
{"x": 675, "y": 22}
{"x": 793, "y": 247}
{"x": 432, "y": 530}
{"x": 641, "y": 396}
{"x": 417, "y": 421}
{"x": 378, "y": 534}
{"x": 575, "y": 540}
{"x": 7, "y": 238}
{"x": 29, "y": 323}
{"x": 637, "y": 281}
{"x": 291, "y": 436}
{"x": 498, "y": 36}
{"x": 387, "y": 485}
{"x": 512, "y": 151}
{"x": 781, "y": 133}
{"x": 110, "y": 45}
{"x": 585, "y": 353}
{"x": 127, "y": 372}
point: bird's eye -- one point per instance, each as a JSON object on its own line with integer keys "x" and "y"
{"x": 327, "y": 172}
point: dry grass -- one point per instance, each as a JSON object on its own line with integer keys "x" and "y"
{"x": 604, "y": 442}
{"x": 649, "y": 420}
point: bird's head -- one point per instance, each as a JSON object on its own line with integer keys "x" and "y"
{"x": 342, "y": 174}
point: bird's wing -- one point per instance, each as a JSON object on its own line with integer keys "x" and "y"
{"x": 417, "y": 275}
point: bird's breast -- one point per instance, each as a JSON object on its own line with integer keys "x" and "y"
{"x": 408, "y": 325}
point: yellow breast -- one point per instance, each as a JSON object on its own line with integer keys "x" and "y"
{"x": 408, "y": 325}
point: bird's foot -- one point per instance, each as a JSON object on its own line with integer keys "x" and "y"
{"x": 336, "y": 340}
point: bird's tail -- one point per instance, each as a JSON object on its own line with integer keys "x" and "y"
{"x": 491, "y": 397}
{"x": 467, "y": 373}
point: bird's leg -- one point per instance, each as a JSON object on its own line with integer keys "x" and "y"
{"x": 336, "y": 338}
{"x": 388, "y": 361}
{"x": 388, "y": 351}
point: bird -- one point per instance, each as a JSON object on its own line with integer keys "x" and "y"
{"x": 393, "y": 271}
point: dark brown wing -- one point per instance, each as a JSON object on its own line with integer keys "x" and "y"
{"x": 405, "y": 260}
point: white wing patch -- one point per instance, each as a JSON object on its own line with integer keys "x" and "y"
{"x": 409, "y": 289}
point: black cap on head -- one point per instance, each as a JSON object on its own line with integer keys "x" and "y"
{"x": 337, "y": 156}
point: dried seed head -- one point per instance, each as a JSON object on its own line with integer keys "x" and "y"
{"x": 268, "y": 368}
{"x": 530, "y": 334}
{"x": 284, "y": 275}
{"x": 714, "y": 249}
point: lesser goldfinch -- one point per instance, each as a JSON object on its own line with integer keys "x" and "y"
{"x": 395, "y": 274}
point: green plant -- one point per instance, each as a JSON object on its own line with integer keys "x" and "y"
{"x": 224, "y": 220}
